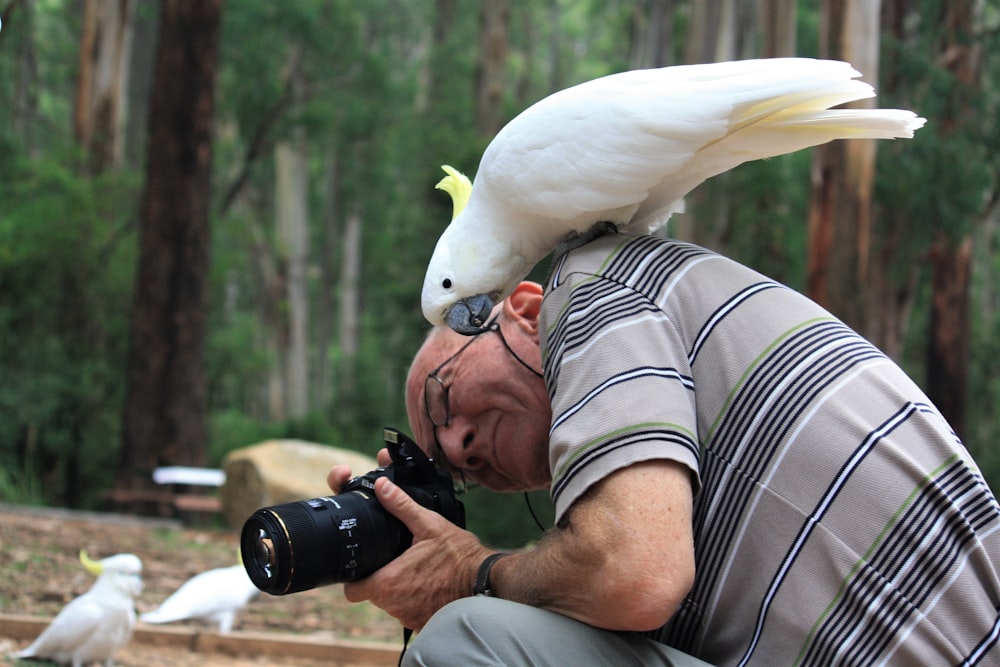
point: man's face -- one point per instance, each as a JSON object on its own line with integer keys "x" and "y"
{"x": 492, "y": 412}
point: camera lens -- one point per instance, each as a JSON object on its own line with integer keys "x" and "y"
{"x": 301, "y": 545}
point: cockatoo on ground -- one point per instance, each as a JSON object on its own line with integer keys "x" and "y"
{"x": 215, "y": 596}
{"x": 93, "y": 626}
{"x": 625, "y": 149}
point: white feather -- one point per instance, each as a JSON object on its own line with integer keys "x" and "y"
{"x": 626, "y": 149}
{"x": 214, "y": 596}
{"x": 93, "y": 626}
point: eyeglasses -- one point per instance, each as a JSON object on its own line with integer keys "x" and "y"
{"x": 436, "y": 393}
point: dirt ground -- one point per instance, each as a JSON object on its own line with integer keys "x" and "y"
{"x": 40, "y": 572}
{"x": 139, "y": 655}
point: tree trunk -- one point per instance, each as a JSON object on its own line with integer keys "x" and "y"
{"x": 350, "y": 302}
{"x": 778, "y": 21}
{"x": 292, "y": 219}
{"x": 164, "y": 420}
{"x": 652, "y": 34}
{"x": 145, "y": 26}
{"x": 843, "y": 173}
{"x": 712, "y": 36}
{"x": 102, "y": 82}
{"x": 330, "y": 242}
{"x": 431, "y": 83}
{"x": 25, "y": 87}
{"x": 494, "y": 38}
{"x": 948, "y": 339}
{"x": 948, "y": 343}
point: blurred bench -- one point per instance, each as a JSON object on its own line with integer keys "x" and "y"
{"x": 183, "y": 491}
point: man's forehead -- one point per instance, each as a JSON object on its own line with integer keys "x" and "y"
{"x": 439, "y": 345}
{"x": 442, "y": 344}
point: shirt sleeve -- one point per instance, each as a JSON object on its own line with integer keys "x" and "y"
{"x": 619, "y": 382}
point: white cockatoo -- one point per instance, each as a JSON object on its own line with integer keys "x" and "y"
{"x": 214, "y": 596}
{"x": 93, "y": 626}
{"x": 625, "y": 149}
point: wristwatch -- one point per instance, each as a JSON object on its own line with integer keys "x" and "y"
{"x": 483, "y": 585}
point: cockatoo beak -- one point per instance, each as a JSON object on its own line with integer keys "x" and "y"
{"x": 469, "y": 316}
{"x": 94, "y": 567}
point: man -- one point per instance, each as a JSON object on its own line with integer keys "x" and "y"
{"x": 737, "y": 476}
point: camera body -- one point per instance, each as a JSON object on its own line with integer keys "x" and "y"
{"x": 332, "y": 539}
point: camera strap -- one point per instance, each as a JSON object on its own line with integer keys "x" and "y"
{"x": 407, "y": 634}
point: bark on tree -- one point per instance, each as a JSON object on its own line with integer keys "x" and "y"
{"x": 895, "y": 275}
{"x": 330, "y": 242}
{"x": 102, "y": 82}
{"x": 494, "y": 43}
{"x": 948, "y": 343}
{"x": 291, "y": 158}
{"x": 292, "y": 221}
{"x": 843, "y": 173}
{"x": 164, "y": 420}
{"x": 652, "y": 34}
{"x": 350, "y": 302}
{"x": 430, "y": 84}
{"x": 778, "y": 23}
{"x": 24, "y": 107}
{"x": 951, "y": 255}
{"x": 712, "y": 36}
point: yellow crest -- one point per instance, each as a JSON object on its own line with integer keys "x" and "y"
{"x": 92, "y": 566}
{"x": 458, "y": 186}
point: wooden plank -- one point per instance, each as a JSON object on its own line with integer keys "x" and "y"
{"x": 189, "y": 502}
{"x": 193, "y": 503}
{"x": 25, "y": 628}
{"x": 290, "y": 646}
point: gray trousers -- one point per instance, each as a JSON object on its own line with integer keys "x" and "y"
{"x": 482, "y": 631}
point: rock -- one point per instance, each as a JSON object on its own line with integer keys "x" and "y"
{"x": 280, "y": 471}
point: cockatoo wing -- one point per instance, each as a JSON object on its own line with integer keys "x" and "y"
{"x": 624, "y": 147}
{"x": 596, "y": 147}
{"x": 77, "y": 621}
{"x": 212, "y": 596}
{"x": 85, "y": 630}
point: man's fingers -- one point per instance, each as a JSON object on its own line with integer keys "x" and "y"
{"x": 404, "y": 508}
{"x": 357, "y": 591}
{"x": 338, "y": 476}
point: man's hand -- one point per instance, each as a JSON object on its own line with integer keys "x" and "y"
{"x": 439, "y": 567}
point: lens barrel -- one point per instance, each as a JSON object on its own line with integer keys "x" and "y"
{"x": 308, "y": 543}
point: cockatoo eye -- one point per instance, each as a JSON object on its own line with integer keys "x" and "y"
{"x": 446, "y": 283}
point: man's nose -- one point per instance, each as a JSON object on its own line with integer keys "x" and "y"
{"x": 458, "y": 440}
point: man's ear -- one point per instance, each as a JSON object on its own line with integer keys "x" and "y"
{"x": 524, "y": 304}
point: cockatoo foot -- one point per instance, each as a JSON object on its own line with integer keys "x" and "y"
{"x": 576, "y": 239}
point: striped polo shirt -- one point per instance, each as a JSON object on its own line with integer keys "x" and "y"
{"x": 837, "y": 517}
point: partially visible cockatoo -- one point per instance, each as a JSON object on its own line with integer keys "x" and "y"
{"x": 625, "y": 149}
{"x": 214, "y": 596}
{"x": 93, "y": 626}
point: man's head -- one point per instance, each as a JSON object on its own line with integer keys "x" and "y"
{"x": 482, "y": 400}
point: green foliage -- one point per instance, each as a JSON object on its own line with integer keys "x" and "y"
{"x": 20, "y": 487}
{"x": 65, "y": 272}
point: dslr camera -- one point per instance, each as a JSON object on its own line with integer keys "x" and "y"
{"x": 309, "y": 543}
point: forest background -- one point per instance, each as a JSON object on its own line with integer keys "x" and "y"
{"x": 215, "y": 218}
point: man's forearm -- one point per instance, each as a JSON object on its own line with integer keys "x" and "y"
{"x": 622, "y": 560}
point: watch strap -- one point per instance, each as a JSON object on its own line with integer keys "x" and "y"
{"x": 483, "y": 585}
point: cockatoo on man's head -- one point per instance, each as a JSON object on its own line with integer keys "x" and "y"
{"x": 625, "y": 149}
{"x": 93, "y": 626}
{"x": 214, "y": 596}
